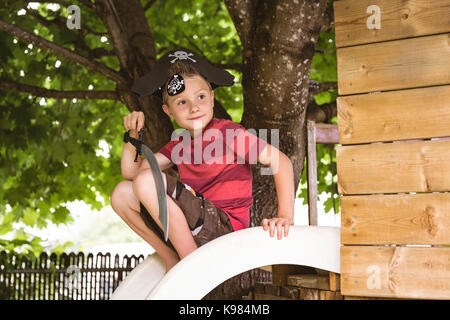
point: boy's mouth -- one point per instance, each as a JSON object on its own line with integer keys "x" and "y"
{"x": 196, "y": 118}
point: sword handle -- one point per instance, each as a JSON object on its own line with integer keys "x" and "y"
{"x": 139, "y": 147}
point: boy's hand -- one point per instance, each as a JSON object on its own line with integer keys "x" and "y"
{"x": 278, "y": 224}
{"x": 134, "y": 122}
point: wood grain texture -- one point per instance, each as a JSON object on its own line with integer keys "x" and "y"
{"x": 420, "y": 166}
{"x": 399, "y": 64}
{"x": 399, "y": 19}
{"x": 396, "y": 219}
{"x": 327, "y": 133}
{"x": 312, "y": 281}
{"x": 312, "y": 173}
{"x": 395, "y": 115}
{"x": 398, "y": 272}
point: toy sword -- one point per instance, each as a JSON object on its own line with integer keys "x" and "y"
{"x": 157, "y": 176}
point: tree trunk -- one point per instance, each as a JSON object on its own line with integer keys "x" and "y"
{"x": 134, "y": 46}
{"x": 279, "y": 40}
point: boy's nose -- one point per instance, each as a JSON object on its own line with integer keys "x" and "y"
{"x": 194, "y": 107}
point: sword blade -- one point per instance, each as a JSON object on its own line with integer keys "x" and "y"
{"x": 160, "y": 189}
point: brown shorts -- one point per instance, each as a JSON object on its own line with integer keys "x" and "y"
{"x": 205, "y": 221}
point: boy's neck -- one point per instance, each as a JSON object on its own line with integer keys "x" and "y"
{"x": 198, "y": 129}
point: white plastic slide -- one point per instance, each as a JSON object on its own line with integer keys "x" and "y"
{"x": 210, "y": 265}
{"x": 141, "y": 280}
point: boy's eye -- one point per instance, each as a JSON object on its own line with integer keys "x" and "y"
{"x": 182, "y": 102}
{"x": 202, "y": 96}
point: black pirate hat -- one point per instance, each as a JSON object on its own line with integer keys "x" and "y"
{"x": 153, "y": 81}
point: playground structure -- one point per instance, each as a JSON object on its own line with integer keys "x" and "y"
{"x": 393, "y": 170}
{"x": 227, "y": 256}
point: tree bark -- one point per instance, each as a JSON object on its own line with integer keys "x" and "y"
{"x": 134, "y": 46}
{"x": 279, "y": 39}
{"x": 277, "y": 63}
{"x": 57, "y": 94}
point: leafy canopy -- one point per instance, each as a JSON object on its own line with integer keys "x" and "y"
{"x": 56, "y": 151}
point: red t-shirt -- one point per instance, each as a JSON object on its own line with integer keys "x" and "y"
{"x": 217, "y": 165}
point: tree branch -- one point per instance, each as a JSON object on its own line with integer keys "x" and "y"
{"x": 328, "y": 19}
{"x": 241, "y": 12}
{"x": 149, "y": 4}
{"x": 57, "y": 94}
{"x": 317, "y": 87}
{"x": 66, "y": 53}
{"x": 323, "y": 113}
{"x": 234, "y": 66}
{"x": 87, "y": 3}
{"x": 219, "y": 111}
{"x": 95, "y": 53}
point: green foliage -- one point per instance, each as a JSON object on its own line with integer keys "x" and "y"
{"x": 205, "y": 27}
{"x": 324, "y": 69}
{"x": 49, "y": 149}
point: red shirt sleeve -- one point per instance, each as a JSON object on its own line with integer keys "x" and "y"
{"x": 245, "y": 144}
{"x": 167, "y": 149}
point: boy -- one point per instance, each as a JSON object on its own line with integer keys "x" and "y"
{"x": 215, "y": 193}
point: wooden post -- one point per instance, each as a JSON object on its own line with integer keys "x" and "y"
{"x": 312, "y": 173}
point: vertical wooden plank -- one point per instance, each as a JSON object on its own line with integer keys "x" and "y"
{"x": 14, "y": 277}
{"x": 91, "y": 279}
{"x": 29, "y": 273}
{"x": 97, "y": 276}
{"x": 81, "y": 265}
{"x": 64, "y": 264}
{"x": 312, "y": 173}
{"x": 117, "y": 278}
{"x": 108, "y": 281}
{"x": 21, "y": 276}
{"x": 54, "y": 276}
{"x": 43, "y": 267}
{"x": 335, "y": 281}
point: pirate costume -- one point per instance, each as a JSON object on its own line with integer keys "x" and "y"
{"x": 205, "y": 220}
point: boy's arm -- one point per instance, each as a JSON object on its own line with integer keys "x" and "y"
{"x": 131, "y": 169}
{"x": 134, "y": 122}
{"x": 283, "y": 176}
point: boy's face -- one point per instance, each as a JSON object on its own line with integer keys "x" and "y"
{"x": 192, "y": 108}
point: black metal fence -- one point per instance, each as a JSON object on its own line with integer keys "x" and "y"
{"x": 64, "y": 277}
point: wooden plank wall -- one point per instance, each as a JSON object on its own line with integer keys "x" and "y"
{"x": 393, "y": 164}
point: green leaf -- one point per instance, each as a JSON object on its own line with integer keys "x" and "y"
{"x": 30, "y": 217}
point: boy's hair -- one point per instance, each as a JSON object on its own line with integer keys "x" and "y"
{"x": 183, "y": 69}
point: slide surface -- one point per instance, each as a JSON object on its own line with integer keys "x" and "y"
{"x": 210, "y": 265}
{"x": 141, "y": 280}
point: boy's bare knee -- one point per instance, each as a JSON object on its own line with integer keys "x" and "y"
{"x": 120, "y": 194}
{"x": 144, "y": 183}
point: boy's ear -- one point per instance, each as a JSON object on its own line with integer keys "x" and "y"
{"x": 167, "y": 111}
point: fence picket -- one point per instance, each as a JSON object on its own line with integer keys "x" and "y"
{"x": 46, "y": 277}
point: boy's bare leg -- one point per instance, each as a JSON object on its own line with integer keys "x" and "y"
{"x": 179, "y": 233}
{"x": 126, "y": 205}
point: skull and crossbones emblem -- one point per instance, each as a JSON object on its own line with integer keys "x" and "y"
{"x": 181, "y": 55}
{"x": 176, "y": 85}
